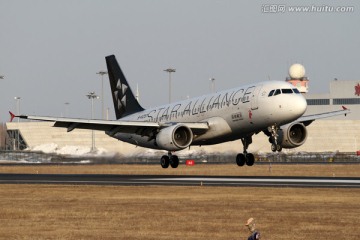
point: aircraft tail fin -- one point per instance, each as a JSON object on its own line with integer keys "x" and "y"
{"x": 125, "y": 102}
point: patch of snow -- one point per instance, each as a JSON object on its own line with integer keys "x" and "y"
{"x": 69, "y": 150}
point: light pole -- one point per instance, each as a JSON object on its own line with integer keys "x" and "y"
{"x": 66, "y": 109}
{"x": 17, "y": 99}
{"x": 170, "y": 70}
{"x": 212, "y": 84}
{"x": 92, "y": 96}
{"x": 102, "y": 73}
{"x": 2, "y": 77}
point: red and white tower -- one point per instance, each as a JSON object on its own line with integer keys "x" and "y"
{"x": 297, "y": 77}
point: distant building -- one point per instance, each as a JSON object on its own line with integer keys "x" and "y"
{"x": 342, "y": 93}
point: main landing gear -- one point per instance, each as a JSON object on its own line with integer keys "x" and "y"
{"x": 245, "y": 157}
{"x": 248, "y": 158}
{"x": 169, "y": 159}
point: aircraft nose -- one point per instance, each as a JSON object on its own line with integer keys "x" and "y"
{"x": 300, "y": 105}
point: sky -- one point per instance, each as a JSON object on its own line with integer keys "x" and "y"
{"x": 50, "y": 51}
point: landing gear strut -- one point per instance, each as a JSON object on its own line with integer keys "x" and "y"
{"x": 245, "y": 157}
{"x": 169, "y": 159}
{"x": 274, "y": 138}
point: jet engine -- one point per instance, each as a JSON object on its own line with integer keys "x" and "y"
{"x": 173, "y": 138}
{"x": 292, "y": 135}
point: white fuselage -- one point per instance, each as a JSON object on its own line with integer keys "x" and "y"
{"x": 230, "y": 114}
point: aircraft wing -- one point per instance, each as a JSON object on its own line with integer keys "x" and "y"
{"x": 306, "y": 120}
{"x": 115, "y": 126}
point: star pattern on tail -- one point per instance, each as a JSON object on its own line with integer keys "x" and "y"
{"x": 120, "y": 95}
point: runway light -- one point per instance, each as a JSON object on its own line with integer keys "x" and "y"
{"x": 190, "y": 162}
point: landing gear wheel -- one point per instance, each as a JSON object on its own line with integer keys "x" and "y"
{"x": 165, "y": 161}
{"x": 174, "y": 161}
{"x": 240, "y": 159}
{"x": 245, "y": 157}
{"x": 273, "y": 147}
{"x": 250, "y": 159}
{"x": 273, "y": 139}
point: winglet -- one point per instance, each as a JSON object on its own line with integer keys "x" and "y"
{"x": 12, "y": 116}
{"x": 344, "y": 108}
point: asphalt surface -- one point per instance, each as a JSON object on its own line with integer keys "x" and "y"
{"x": 170, "y": 180}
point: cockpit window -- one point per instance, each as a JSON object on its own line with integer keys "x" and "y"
{"x": 296, "y": 90}
{"x": 287, "y": 91}
{"x": 271, "y": 93}
{"x": 283, "y": 91}
{"x": 277, "y": 92}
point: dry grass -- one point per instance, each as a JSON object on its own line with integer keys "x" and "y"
{"x": 118, "y": 212}
{"x": 325, "y": 170}
{"x": 109, "y": 212}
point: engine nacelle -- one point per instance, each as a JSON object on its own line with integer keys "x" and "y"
{"x": 174, "y": 138}
{"x": 293, "y": 135}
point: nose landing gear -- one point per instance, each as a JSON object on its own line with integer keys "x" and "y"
{"x": 273, "y": 139}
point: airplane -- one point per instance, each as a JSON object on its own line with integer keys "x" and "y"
{"x": 275, "y": 108}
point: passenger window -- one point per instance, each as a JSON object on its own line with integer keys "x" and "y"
{"x": 271, "y": 93}
{"x": 277, "y": 92}
{"x": 296, "y": 90}
{"x": 286, "y": 91}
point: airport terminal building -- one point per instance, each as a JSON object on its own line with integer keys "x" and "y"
{"x": 342, "y": 93}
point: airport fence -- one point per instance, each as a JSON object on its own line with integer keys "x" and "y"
{"x": 310, "y": 157}
{"x": 31, "y": 157}
{"x": 9, "y": 156}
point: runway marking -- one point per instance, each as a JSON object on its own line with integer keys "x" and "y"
{"x": 146, "y": 180}
{"x": 260, "y": 180}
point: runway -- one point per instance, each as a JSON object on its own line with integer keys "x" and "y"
{"x": 171, "y": 180}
